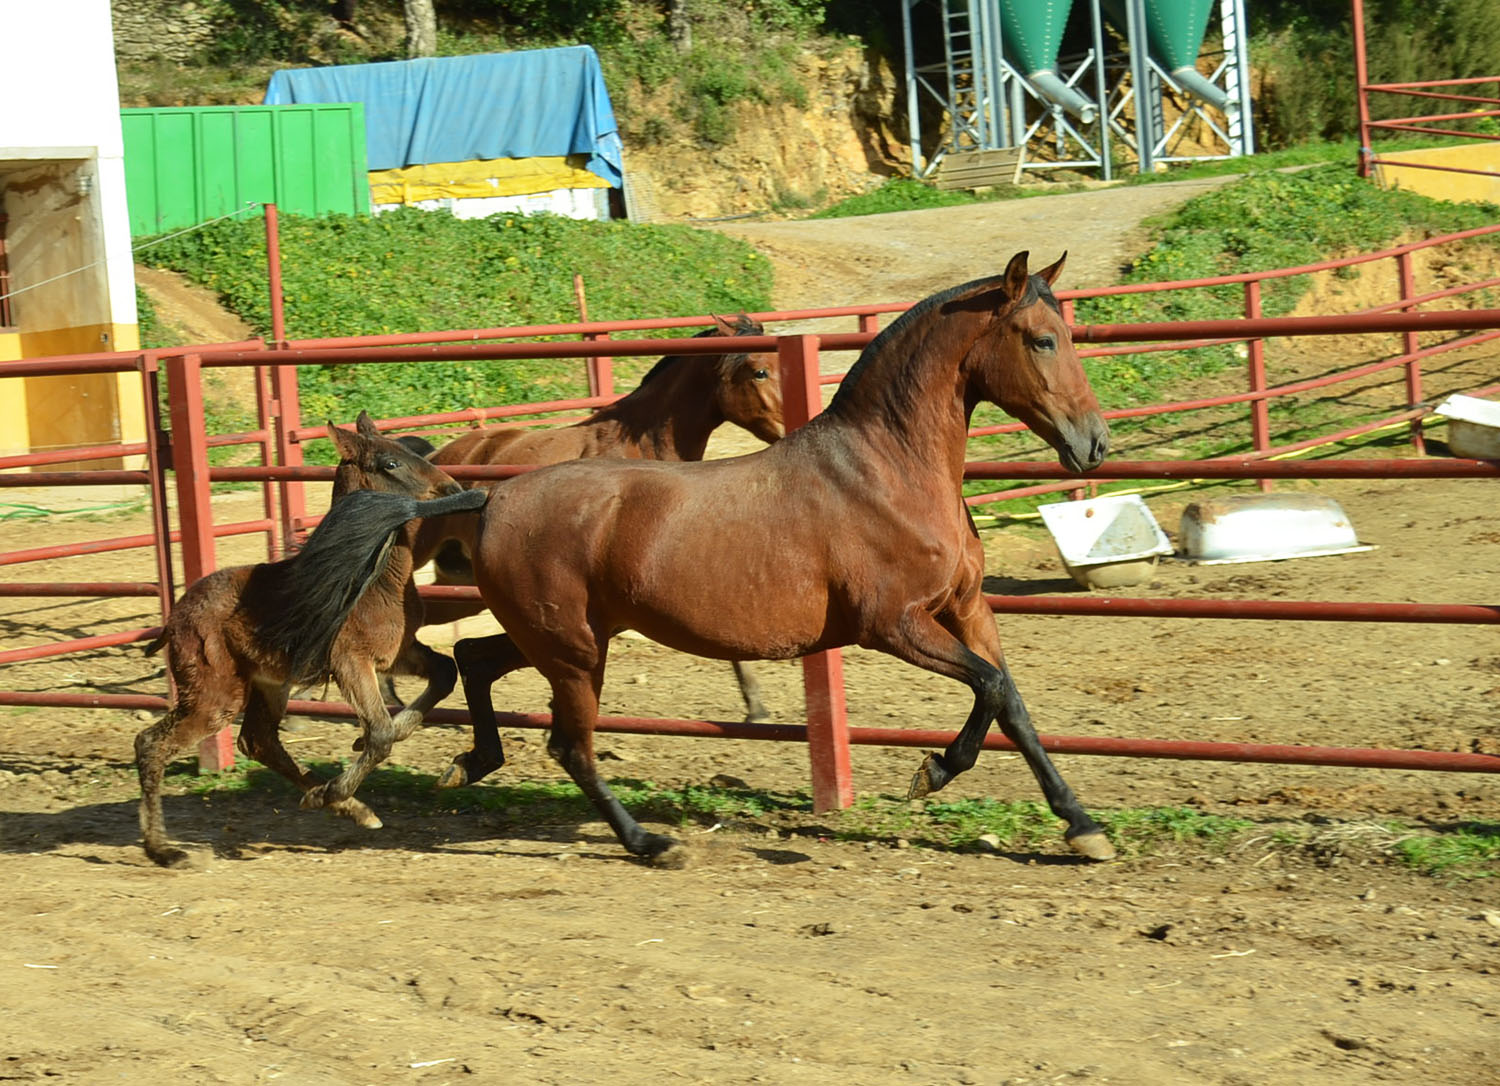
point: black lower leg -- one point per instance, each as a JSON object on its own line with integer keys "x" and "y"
{"x": 637, "y": 841}
{"x": 481, "y": 661}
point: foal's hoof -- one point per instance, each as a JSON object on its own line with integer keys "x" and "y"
{"x": 1093, "y": 846}
{"x": 168, "y": 857}
{"x": 356, "y": 812}
{"x": 315, "y": 799}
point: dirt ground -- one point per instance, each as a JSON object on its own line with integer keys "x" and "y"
{"x": 481, "y": 947}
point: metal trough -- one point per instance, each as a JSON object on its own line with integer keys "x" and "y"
{"x": 1106, "y": 542}
{"x": 1265, "y": 528}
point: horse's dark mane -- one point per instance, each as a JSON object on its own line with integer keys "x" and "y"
{"x": 743, "y": 326}
{"x": 1036, "y": 290}
{"x": 310, "y": 594}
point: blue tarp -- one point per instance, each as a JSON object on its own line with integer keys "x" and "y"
{"x": 456, "y": 109}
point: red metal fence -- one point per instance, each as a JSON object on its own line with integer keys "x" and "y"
{"x": 185, "y": 444}
{"x": 1432, "y": 124}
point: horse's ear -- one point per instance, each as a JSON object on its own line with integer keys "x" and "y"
{"x": 1052, "y": 271}
{"x": 366, "y": 425}
{"x": 725, "y": 328}
{"x": 346, "y": 443}
{"x": 1016, "y": 275}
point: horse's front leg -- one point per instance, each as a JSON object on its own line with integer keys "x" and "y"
{"x": 481, "y": 662}
{"x": 359, "y": 683}
{"x": 966, "y": 646}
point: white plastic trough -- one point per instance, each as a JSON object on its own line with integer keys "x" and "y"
{"x": 1265, "y": 528}
{"x": 1106, "y": 542}
{"x": 1473, "y": 426}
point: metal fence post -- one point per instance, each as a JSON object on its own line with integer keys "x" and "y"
{"x": 1260, "y": 412}
{"x": 190, "y": 463}
{"x": 1411, "y": 344}
{"x": 822, "y": 672}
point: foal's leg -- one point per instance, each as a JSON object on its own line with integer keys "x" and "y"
{"x": 441, "y": 674}
{"x": 187, "y": 722}
{"x": 970, "y": 651}
{"x": 357, "y": 680}
{"x": 481, "y": 661}
{"x": 260, "y": 738}
{"x": 755, "y": 709}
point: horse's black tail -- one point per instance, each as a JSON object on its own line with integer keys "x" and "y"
{"x": 341, "y": 559}
{"x": 155, "y": 646}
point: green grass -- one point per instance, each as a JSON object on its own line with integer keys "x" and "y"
{"x": 1465, "y": 851}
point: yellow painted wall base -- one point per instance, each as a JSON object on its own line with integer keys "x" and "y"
{"x": 483, "y": 177}
{"x": 38, "y": 413}
{"x": 1440, "y": 184}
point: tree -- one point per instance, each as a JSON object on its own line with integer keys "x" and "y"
{"x": 421, "y": 28}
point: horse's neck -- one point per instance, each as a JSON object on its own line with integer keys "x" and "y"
{"x": 908, "y": 404}
{"x": 671, "y": 416}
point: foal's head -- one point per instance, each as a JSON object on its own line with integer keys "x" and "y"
{"x": 1025, "y": 362}
{"x": 370, "y": 461}
{"x": 749, "y": 389}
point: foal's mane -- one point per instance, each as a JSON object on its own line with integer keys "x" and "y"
{"x": 743, "y": 326}
{"x": 309, "y": 595}
{"x": 1036, "y": 290}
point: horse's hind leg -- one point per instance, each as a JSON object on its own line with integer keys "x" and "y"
{"x": 755, "y": 709}
{"x": 575, "y": 711}
{"x": 184, "y": 724}
{"x": 481, "y": 662}
{"x": 260, "y": 738}
{"x": 967, "y": 648}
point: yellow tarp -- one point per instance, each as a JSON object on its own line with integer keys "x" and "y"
{"x": 483, "y": 177}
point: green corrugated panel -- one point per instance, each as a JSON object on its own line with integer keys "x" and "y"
{"x": 186, "y": 166}
{"x": 1033, "y": 30}
{"x": 1174, "y": 28}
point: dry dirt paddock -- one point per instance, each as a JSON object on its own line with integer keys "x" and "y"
{"x": 504, "y": 945}
{"x": 455, "y": 946}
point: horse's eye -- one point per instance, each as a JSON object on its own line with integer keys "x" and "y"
{"x": 389, "y": 464}
{"x": 1045, "y": 343}
{"x": 761, "y": 375}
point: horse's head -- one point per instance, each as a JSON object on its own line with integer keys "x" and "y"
{"x": 749, "y": 390}
{"x": 370, "y": 461}
{"x": 1025, "y": 362}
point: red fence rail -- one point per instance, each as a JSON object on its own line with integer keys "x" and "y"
{"x": 827, "y": 733}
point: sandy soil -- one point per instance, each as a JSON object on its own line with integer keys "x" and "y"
{"x": 454, "y": 946}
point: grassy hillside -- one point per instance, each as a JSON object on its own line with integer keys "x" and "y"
{"x": 412, "y": 271}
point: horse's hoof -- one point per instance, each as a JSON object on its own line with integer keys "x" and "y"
{"x": 466, "y": 769}
{"x": 923, "y": 781}
{"x": 1093, "y": 845}
{"x": 455, "y": 776}
{"x": 664, "y": 852}
{"x": 758, "y": 716}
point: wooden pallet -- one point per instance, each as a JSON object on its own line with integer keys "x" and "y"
{"x": 980, "y": 169}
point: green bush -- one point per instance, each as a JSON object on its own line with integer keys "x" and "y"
{"x": 411, "y": 271}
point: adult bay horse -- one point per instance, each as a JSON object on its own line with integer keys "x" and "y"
{"x": 342, "y": 607}
{"x": 671, "y": 415}
{"x": 851, "y": 530}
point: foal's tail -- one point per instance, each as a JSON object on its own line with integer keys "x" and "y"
{"x": 154, "y": 647}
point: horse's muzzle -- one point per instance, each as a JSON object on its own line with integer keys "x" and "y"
{"x": 1085, "y": 445}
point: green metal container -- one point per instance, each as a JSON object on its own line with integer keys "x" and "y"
{"x": 186, "y": 166}
{"x": 1174, "y": 28}
{"x": 1033, "y": 31}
